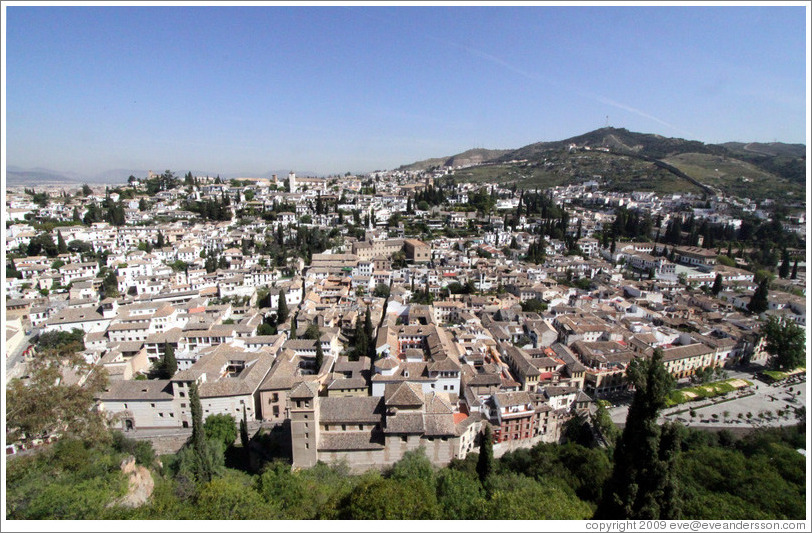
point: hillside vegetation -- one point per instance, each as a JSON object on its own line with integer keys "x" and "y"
{"x": 634, "y": 161}
{"x": 719, "y": 478}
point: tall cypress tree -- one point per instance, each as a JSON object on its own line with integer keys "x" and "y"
{"x": 361, "y": 339}
{"x": 717, "y": 285}
{"x": 794, "y": 274}
{"x": 319, "y": 355}
{"x": 282, "y": 308}
{"x": 783, "y": 270}
{"x": 643, "y": 483}
{"x": 368, "y": 324}
{"x": 61, "y": 247}
{"x": 758, "y": 303}
{"x": 169, "y": 365}
{"x": 484, "y": 465}
{"x": 244, "y": 439}
{"x": 204, "y": 466}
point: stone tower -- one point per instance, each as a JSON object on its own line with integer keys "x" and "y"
{"x": 304, "y": 423}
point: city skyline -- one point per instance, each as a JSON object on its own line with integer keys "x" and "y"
{"x": 333, "y": 89}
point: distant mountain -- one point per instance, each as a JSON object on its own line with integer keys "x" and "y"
{"x": 774, "y": 149}
{"x": 642, "y": 161}
{"x": 18, "y": 176}
{"x": 470, "y": 157}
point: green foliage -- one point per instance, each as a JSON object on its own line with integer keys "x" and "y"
{"x": 62, "y": 341}
{"x": 720, "y": 478}
{"x": 71, "y": 480}
{"x": 282, "y": 311}
{"x": 534, "y": 305}
{"x": 312, "y": 332}
{"x": 518, "y": 497}
{"x": 377, "y": 498}
{"x": 759, "y": 303}
{"x": 221, "y": 428}
{"x": 233, "y": 497}
{"x": 140, "y": 449}
{"x": 460, "y": 495}
{"x": 725, "y": 260}
{"x": 168, "y": 365}
{"x": 381, "y": 290}
{"x": 484, "y": 466}
{"x": 642, "y": 484}
{"x": 785, "y": 341}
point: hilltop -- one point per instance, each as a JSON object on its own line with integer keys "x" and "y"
{"x": 629, "y": 160}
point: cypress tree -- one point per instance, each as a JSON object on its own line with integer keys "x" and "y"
{"x": 783, "y": 270}
{"x": 205, "y": 469}
{"x": 717, "y": 285}
{"x": 368, "y": 324}
{"x": 361, "y": 339}
{"x": 61, "y": 247}
{"x": 643, "y": 481}
{"x": 794, "y": 274}
{"x": 169, "y": 365}
{"x": 244, "y": 440}
{"x": 758, "y": 303}
{"x": 282, "y": 308}
{"x": 484, "y": 465}
{"x": 319, "y": 355}
{"x": 293, "y": 328}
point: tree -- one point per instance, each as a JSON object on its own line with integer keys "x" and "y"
{"x": 202, "y": 462}
{"x": 319, "y": 355}
{"x": 360, "y": 340}
{"x": 794, "y": 274}
{"x": 370, "y": 333}
{"x": 717, "y": 285}
{"x": 484, "y": 466}
{"x": 61, "y": 247}
{"x": 381, "y": 290}
{"x": 168, "y": 364}
{"x": 244, "y": 438}
{"x": 312, "y": 332}
{"x": 643, "y": 483}
{"x": 221, "y": 428}
{"x": 46, "y": 404}
{"x": 785, "y": 341}
{"x": 293, "y": 328}
{"x": 110, "y": 285}
{"x": 282, "y": 311}
{"x": 783, "y": 270}
{"x": 759, "y": 303}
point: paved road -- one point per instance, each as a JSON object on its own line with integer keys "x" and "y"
{"x": 16, "y": 357}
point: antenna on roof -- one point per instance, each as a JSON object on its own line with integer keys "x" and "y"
{"x": 607, "y": 121}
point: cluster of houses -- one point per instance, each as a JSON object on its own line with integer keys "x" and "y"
{"x": 436, "y": 370}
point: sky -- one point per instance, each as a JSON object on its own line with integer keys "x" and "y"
{"x": 336, "y": 88}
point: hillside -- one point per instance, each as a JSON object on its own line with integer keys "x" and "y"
{"x": 474, "y": 156}
{"x": 641, "y": 161}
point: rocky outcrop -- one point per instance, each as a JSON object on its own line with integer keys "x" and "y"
{"x": 140, "y": 484}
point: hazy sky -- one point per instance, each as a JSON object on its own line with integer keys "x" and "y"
{"x": 334, "y": 89}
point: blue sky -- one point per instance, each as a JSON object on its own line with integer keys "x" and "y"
{"x": 335, "y": 89}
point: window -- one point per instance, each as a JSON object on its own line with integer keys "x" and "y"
{"x": 183, "y": 395}
{"x": 125, "y": 406}
{"x": 183, "y": 405}
{"x": 275, "y": 397}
